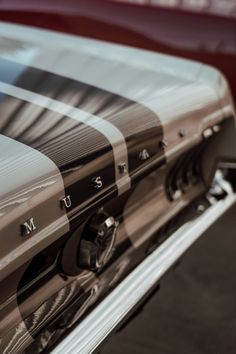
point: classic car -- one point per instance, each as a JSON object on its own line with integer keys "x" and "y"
{"x": 114, "y": 161}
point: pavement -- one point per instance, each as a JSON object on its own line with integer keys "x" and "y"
{"x": 195, "y": 310}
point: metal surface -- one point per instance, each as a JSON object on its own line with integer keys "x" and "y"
{"x": 29, "y": 183}
{"x": 61, "y": 101}
{"x": 52, "y": 293}
{"x": 122, "y": 128}
{"x": 112, "y": 134}
{"x": 147, "y": 85}
{"x": 90, "y": 333}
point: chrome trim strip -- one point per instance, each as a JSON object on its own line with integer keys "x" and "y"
{"x": 112, "y": 134}
{"x": 90, "y": 333}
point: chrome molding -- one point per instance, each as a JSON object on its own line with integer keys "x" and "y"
{"x": 91, "y": 332}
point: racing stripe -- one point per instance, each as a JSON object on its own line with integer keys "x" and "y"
{"x": 80, "y": 151}
{"x": 139, "y": 125}
{"x": 30, "y": 187}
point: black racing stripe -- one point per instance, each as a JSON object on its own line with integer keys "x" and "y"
{"x": 140, "y": 126}
{"x": 80, "y": 151}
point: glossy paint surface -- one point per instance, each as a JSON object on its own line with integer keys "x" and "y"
{"x": 83, "y": 107}
{"x": 29, "y": 181}
{"x": 60, "y": 101}
{"x": 190, "y": 31}
{"x": 42, "y": 298}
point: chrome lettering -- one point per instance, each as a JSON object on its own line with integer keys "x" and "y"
{"x": 28, "y": 226}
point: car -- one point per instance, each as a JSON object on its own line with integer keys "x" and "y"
{"x": 114, "y": 161}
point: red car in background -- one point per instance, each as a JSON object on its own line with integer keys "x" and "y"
{"x": 201, "y": 30}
